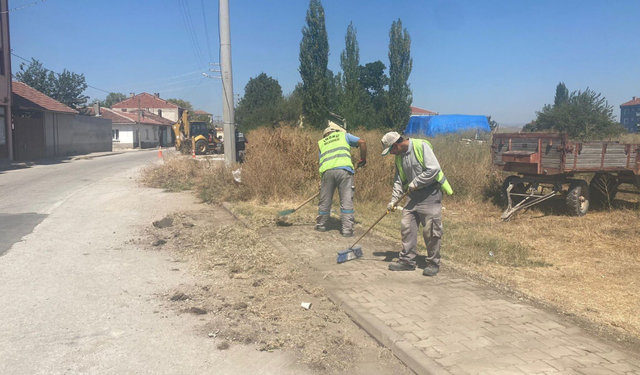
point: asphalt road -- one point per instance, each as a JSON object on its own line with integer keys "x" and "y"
{"x": 79, "y": 295}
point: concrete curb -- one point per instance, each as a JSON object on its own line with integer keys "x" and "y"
{"x": 403, "y": 350}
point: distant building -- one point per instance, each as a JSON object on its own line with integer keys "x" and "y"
{"x": 150, "y": 103}
{"x": 137, "y": 129}
{"x": 630, "y": 114}
{"x": 44, "y": 127}
{"x": 415, "y": 111}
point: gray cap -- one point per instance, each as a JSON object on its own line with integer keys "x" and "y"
{"x": 388, "y": 140}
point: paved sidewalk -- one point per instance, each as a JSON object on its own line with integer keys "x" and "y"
{"x": 445, "y": 324}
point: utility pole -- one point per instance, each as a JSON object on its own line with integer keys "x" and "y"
{"x": 228, "y": 114}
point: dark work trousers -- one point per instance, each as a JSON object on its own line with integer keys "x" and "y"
{"x": 427, "y": 213}
{"x": 343, "y": 180}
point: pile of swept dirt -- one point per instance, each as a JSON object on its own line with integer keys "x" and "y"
{"x": 253, "y": 295}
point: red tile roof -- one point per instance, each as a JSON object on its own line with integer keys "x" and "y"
{"x": 201, "y": 112}
{"x": 634, "y": 101}
{"x": 147, "y": 118}
{"x": 28, "y": 97}
{"x": 146, "y": 101}
{"x": 415, "y": 111}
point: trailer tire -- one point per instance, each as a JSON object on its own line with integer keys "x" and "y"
{"x": 518, "y": 187}
{"x": 578, "y": 198}
{"x": 603, "y": 188}
{"x": 201, "y": 147}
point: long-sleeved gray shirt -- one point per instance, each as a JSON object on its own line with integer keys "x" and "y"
{"x": 424, "y": 178}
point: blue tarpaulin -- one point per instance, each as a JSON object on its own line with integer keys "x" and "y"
{"x": 443, "y": 124}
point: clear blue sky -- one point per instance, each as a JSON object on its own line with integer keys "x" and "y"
{"x": 500, "y": 58}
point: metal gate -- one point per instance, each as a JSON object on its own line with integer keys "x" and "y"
{"x": 28, "y": 133}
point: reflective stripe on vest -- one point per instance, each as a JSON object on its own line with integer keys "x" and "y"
{"x": 419, "y": 152}
{"x": 335, "y": 152}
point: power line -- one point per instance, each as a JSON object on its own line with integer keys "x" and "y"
{"x": 191, "y": 34}
{"x": 49, "y": 70}
{"x": 24, "y": 7}
{"x": 188, "y": 12}
{"x": 206, "y": 30}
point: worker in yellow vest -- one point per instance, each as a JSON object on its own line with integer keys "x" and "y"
{"x": 417, "y": 170}
{"x": 336, "y": 171}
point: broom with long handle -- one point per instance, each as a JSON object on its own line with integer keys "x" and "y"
{"x": 354, "y": 251}
{"x": 292, "y": 210}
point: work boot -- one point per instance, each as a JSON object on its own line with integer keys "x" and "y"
{"x": 401, "y": 266}
{"x": 347, "y": 234}
{"x": 430, "y": 270}
{"x": 321, "y": 228}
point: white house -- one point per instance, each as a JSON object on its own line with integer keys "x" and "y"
{"x": 137, "y": 129}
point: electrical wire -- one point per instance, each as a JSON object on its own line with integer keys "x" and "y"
{"x": 206, "y": 30}
{"x": 193, "y": 40}
{"x": 49, "y": 70}
{"x": 23, "y": 7}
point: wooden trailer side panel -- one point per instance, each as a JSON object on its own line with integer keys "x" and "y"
{"x": 601, "y": 156}
{"x": 528, "y": 153}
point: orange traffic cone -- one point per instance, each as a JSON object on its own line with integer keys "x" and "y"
{"x": 160, "y": 153}
{"x": 193, "y": 153}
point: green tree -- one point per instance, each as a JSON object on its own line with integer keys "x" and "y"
{"x": 373, "y": 81}
{"x": 37, "y": 76}
{"x": 400, "y": 64}
{"x": 335, "y": 91}
{"x": 562, "y": 94}
{"x": 182, "y": 103}
{"x": 354, "y": 103}
{"x": 66, "y": 87}
{"x": 112, "y": 98}
{"x": 314, "y": 58}
{"x": 586, "y": 115}
{"x": 291, "y": 108}
{"x": 261, "y": 103}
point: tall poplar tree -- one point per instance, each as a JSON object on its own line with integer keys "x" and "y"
{"x": 562, "y": 94}
{"x": 400, "y": 64}
{"x": 353, "y": 102}
{"x": 314, "y": 58}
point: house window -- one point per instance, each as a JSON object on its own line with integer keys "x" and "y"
{"x": 626, "y": 121}
{"x": 160, "y": 112}
{"x": 124, "y": 109}
{"x": 115, "y": 134}
{"x": 147, "y": 132}
{"x": 155, "y": 133}
{"x": 626, "y": 111}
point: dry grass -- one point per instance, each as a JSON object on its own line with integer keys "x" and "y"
{"x": 586, "y": 266}
{"x": 255, "y": 294}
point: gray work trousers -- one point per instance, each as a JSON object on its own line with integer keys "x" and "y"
{"x": 343, "y": 180}
{"x": 429, "y": 214}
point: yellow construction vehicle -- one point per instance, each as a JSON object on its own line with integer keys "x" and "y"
{"x": 196, "y": 136}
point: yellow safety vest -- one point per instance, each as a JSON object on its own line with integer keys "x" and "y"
{"x": 419, "y": 152}
{"x": 335, "y": 152}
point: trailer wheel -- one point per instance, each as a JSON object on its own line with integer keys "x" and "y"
{"x": 578, "y": 198}
{"x": 603, "y": 188}
{"x": 518, "y": 187}
{"x": 201, "y": 147}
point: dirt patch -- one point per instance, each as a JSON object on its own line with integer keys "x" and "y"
{"x": 253, "y": 295}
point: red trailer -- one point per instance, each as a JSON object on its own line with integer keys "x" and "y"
{"x": 547, "y": 162}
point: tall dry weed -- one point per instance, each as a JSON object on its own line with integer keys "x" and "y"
{"x": 281, "y": 164}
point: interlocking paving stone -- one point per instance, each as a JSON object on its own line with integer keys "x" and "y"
{"x": 457, "y": 324}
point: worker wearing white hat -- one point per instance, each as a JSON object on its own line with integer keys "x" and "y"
{"x": 417, "y": 170}
{"x": 336, "y": 171}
